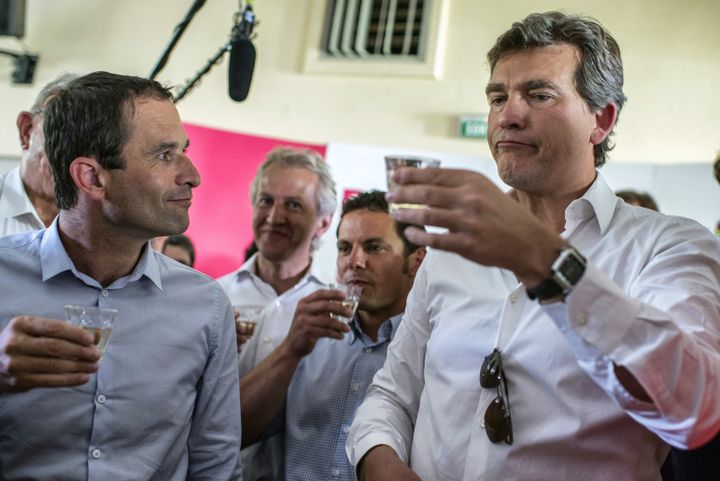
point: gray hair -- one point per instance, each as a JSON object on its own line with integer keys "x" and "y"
{"x": 599, "y": 77}
{"x": 325, "y": 195}
{"x": 51, "y": 89}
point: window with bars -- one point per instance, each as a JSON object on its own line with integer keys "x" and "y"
{"x": 376, "y": 28}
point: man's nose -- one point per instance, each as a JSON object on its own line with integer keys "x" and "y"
{"x": 357, "y": 258}
{"x": 513, "y": 113}
{"x": 189, "y": 173}
{"x": 275, "y": 214}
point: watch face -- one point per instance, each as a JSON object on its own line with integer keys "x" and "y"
{"x": 572, "y": 268}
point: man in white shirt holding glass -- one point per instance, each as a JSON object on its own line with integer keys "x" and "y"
{"x": 554, "y": 333}
{"x": 293, "y": 197}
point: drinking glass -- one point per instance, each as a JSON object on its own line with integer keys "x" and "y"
{"x": 97, "y": 320}
{"x": 247, "y": 317}
{"x": 393, "y": 162}
{"x": 352, "y": 299}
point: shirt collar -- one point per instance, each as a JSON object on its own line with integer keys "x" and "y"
{"x": 313, "y": 274}
{"x": 14, "y": 200}
{"x": 54, "y": 260}
{"x": 385, "y": 333}
{"x": 598, "y": 201}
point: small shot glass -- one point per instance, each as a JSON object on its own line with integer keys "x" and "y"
{"x": 352, "y": 299}
{"x": 97, "y": 320}
{"x": 393, "y": 162}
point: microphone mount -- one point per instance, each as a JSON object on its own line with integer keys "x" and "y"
{"x": 179, "y": 30}
{"x": 243, "y": 24}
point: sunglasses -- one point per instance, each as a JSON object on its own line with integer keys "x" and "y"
{"x": 498, "y": 424}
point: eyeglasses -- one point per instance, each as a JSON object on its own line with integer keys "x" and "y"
{"x": 498, "y": 424}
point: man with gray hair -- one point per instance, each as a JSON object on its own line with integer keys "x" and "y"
{"x": 293, "y": 198}
{"x": 553, "y": 333}
{"x": 27, "y": 195}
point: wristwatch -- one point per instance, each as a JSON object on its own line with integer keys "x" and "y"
{"x": 565, "y": 273}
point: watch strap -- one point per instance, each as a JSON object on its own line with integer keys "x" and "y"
{"x": 565, "y": 273}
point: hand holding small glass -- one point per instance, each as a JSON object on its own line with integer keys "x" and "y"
{"x": 43, "y": 352}
{"x": 393, "y": 162}
{"x": 246, "y": 318}
{"x": 96, "y": 320}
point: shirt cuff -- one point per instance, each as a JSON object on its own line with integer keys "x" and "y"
{"x": 366, "y": 443}
{"x": 596, "y": 316}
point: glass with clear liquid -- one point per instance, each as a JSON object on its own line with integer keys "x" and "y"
{"x": 97, "y": 320}
{"x": 247, "y": 317}
{"x": 393, "y": 162}
{"x": 352, "y": 299}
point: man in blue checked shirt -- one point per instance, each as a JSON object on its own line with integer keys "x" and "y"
{"x": 311, "y": 385}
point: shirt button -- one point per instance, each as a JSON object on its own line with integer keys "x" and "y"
{"x": 368, "y": 349}
{"x": 277, "y": 303}
{"x": 356, "y": 386}
{"x": 105, "y": 293}
{"x": 513, "y": 297}
{"x": 335, "y": 472}
{"x": 582, "y": 320}
{"x": 101, "y": 399}
{"x": 96, "y": 453}
{"x": 346, "y": 428}
{"x": 267, "y": 339}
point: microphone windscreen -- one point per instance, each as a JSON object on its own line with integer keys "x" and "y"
{"x": 240, "y": 71}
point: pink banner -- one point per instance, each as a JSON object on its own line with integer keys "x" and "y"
{"x": 221, "y": 213}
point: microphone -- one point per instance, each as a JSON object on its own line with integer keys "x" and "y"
{"x": 242, "y": 57}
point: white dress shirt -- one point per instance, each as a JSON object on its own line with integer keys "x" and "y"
{"x": 17, "y": 214}
{"x": 264, "y": 460}
{"x": 649, "y": 300}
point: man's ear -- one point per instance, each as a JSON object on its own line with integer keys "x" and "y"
{"x": 604, "y": 122}
{"x": 323, "y": 225}
{"x": 24, "y": 124}
{"x": 89, "y": 177}
{"x": 415, "y": 259}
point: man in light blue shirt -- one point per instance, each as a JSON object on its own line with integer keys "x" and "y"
{"x": 311, "y": 385}
{"x": 162, "y": 403}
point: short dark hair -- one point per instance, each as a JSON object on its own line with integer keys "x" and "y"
{"x": 89, "y": 117}
{"x": 599, "y": 77}
{"x": 182, "y": 241}
{"x": 374, "y": 201}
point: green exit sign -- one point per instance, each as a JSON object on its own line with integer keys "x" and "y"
{"x": 472, "y": 127}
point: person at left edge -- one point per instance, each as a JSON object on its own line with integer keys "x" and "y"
{"x": 27, "y": 192}
{"x": 162, "y": 404}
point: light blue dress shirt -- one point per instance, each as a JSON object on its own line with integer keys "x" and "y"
{"x": 326, "y": 390}
{"x": 164, "y": 404}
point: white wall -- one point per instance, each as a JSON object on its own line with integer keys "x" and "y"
{"x": 670, "y": 50}
{"x": 7, "y": 164}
